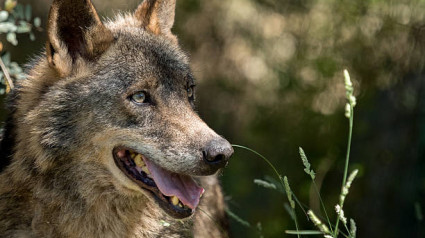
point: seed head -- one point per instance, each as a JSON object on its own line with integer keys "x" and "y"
{"x": 306, "y": 164}
{"x": 317, "y": 222}
{"x": 288, "y": 192}
{"x": 341, "y": 215}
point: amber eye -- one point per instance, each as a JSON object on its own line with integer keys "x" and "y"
{"x": 139, "y": 97}
{"x": 190, "y": 92}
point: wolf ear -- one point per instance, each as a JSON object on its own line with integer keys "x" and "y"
{"x": 157, "y": 16}
{"x": 75, "y": 31}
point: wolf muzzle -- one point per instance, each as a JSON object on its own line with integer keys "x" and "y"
{"x": 216, "y": 153}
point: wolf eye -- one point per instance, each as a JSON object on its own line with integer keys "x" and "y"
{"x": 190, "y": 92}
{"x": 139, "y": 97}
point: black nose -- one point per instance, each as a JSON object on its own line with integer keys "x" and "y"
{"x": 217, "y": 152}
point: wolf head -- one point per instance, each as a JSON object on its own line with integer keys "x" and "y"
{"x": 118, "y": 98}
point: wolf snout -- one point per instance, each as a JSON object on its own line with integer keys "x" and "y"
{"x": 216, "y": 153}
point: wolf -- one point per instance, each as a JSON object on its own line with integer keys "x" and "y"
{"x": 103, "y": 139}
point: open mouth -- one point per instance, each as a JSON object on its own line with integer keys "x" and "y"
{"x": 177, "y": 194}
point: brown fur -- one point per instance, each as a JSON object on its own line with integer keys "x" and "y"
{"x": 73, "y": 109}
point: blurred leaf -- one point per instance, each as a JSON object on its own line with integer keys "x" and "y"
{"x": 19, "y": 11}
{"x": 11, "y": 37}
{"x": 3, "y": 16}
{"x": 15, "y": 68}
{"x": 276, "y": 182}
{"x": 32, "y": 36}
{"x": 288, "y": 209}
{"x": 28, "y": 12}
{"x": 6, "y": 27}
{"x": 237, "y": 218}
{"x": 304, "y": 232}
{"x": 9, "y": 5}
{"x": 23, "y": 27}
{"x": 37, "y": 22}
{"x": 264, "y": 184}
{"x": 6, "y": 58}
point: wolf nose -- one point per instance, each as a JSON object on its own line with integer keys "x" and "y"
{"x": 217, "y": 153}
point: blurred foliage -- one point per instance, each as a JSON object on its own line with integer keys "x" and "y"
{"x": 269, "y": 77}
{"x": 15, "y": 19}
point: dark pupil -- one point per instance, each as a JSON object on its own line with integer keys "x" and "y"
{"x": 139, "y": 97}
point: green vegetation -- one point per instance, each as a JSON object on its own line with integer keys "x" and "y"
{"x": 329, "y": 230}
{"x": 14, "y": 19}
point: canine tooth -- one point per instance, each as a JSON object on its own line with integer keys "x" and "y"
{"x": 180, "y": 204}
{"x": 175, "y": 200}
{"x": 146, "y": 170}
{"x": 139, "y": 161}
{"x": 132, "y": 155}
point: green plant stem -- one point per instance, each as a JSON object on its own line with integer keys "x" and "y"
{"x": 296, "y": 223}
{"x": 308, "y": 232}
{"x": 277, "y": 174}
{"x": 300, "y": 204}
{"x": 212, "y": 219}
{"x": 283, "y": 185}
{"x": 265, "y": 159}
{"x": 347, "y": 159}
{"x": 323, "y": 205}
{"x": 348, "y": 230}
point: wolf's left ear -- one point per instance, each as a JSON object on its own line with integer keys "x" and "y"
{"x": 75, "y": 32}
{"x": 157, "y": 16}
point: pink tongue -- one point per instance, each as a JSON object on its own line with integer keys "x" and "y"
{"x": 173, "y": 184}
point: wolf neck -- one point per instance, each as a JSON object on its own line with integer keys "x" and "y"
{"x": 101, "y": 217}
{"x": 59, "y": 203}
{"x": 53, "y": 211}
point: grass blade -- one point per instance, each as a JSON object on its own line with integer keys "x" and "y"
{"x": 303, "y": 232}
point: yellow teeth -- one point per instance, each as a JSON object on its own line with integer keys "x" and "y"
{"x": 138, "y": 160}
{"x": 175, "y": 201}
{"x": 145, "y": 169}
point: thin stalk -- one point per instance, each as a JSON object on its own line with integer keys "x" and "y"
{"x": 277, "y": 174}
{"x": 212, "y": 219}
{"x": 312, "y": 232}
{"x": 347, "y": 159}
{"x": 300, "y": 204}
{"x": 323, "y": 205}
{"x": 9, "y": 82}
{"x": 348, "y": 230}
{"x": 296, "y": 223}
{"x": 264, "y": 158}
